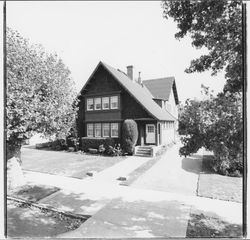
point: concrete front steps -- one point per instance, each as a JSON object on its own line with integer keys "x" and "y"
{"x": 144, "y": 151}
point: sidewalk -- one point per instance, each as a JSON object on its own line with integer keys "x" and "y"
{"x": 158, "y": 204}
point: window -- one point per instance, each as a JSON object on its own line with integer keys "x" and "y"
{"x": 105, "y": 129}
{"x": 98, "y": 105}
{"x": 105, "y": 103}
{"x": 90, "y": 104}
{"x": 114, "y": 102}
{"x": 90, "y": 129}
{"x": 151, "y": 129}
{"x": 114, "y": 129}
{"x": 98, "y": 130}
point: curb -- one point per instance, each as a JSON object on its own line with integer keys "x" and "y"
{"x": 50, "y": 208}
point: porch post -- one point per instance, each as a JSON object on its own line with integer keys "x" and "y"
{"x": 156, "y": 134}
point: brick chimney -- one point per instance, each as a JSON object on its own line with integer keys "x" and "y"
{"x": 139, "y": 78}
{"x": 130, "y": 72}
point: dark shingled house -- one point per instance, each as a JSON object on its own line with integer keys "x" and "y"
{"x": 110, "y": 96}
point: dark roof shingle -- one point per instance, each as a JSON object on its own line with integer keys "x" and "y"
{"x": 139, "y": 92}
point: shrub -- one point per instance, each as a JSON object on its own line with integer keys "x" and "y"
{"x": 43, "y": 145}
{"x": 88, "y": 142}
{"x": 59, "y": 144}
{"x": 129, "y": 135}
{"x": 215, "y": 124}
{"x": 72, "y": 139}
{"x": 101, "y": 149}
{"x": 228, "y": 162}
{"x": 115, "y": 151}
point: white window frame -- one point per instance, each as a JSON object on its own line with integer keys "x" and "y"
{"x": 103, "y": 127}
{"x": 88, "y": 100}
{"x": 88, "y": 125}
{"x": 99, "y": 103}
{"x": 111, "y": 128}
{"x": 111, "y": 98}
{"x": 98, "y": 124}
{"x": 104, "y": 102}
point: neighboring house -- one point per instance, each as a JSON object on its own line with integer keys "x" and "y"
{"x": 110, "y": 96}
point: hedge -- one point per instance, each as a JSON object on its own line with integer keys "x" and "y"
{"x": 87, "y": 142}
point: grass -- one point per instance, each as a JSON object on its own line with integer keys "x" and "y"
{"x": 217, "y": 186}
{"x": 33, "y": 193}
{"x": 201, "y": 226}
{"x": 65, "y": 163}
{"x": 24, "y": 220}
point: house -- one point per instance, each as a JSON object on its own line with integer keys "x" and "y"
{"x": 110, "y": 96}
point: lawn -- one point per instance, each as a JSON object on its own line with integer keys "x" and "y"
{"x": 24, "y": 220}
{"x": 65, "y": 163}
{"x": 217, "y": 186}
{"x": 202, "y": 226}
{"x": 32, "y": 193}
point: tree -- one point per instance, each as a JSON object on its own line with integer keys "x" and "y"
{"x": 129, "y": 135}
{"x": 216, "y": 124}
{"x": 215, "y": 25}
{"x": 40, "y": 93}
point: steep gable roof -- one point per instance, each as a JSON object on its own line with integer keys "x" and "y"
{"x": 161, "y": 88}
{"x": 139, "y": 92}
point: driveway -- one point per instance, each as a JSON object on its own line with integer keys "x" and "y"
{"x": 172, "y": 174}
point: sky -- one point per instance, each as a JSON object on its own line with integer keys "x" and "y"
{"x": 119, "y": 33}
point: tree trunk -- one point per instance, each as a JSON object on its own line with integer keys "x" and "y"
{"x": 15, "y": 177}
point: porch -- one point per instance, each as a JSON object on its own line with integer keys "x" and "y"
{"x": 152, "y": 134}
{"x": 148, "y": 132}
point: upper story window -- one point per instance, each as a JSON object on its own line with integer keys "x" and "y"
{"x": 105, "y": 103}
{"x": 114, "y": 102}
{"x": 90, "y": 104}
{"x": 98, "y": 105}
{"x": 102, "y": 103}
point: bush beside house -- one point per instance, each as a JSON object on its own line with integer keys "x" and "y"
{"x": 129, "y": 136}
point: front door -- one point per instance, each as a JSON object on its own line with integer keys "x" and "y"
{"x": 150, "y": 133}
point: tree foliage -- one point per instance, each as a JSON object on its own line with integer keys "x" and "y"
{"x": 216, "y": 124}
{"x": 40, "y": 92}
{"x": 129, "y": 135}
{"x": 215, "y": 25}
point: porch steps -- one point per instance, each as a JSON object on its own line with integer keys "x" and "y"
{"x": 144, "y": 151}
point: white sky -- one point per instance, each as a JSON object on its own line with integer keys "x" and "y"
{"x": 118, "y": 33}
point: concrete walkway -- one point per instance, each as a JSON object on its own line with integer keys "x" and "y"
{"x": 158, "y": 204}
{"x": 173, "y": 173}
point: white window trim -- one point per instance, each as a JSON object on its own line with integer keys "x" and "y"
{"x": 103, "y": 102}
{"x": 111, "y": 102}
{"x": 89, "y": 99}
{"x": 103, "y": 129}
{"x": 100, "y": 103}
{"x": 88, "y": 130}
{"x": 112, "y": 124}
{"x": 96, "y": 129}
